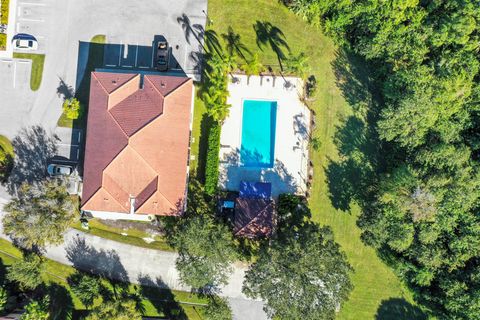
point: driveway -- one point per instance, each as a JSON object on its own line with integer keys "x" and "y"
{"x": 140, "y": 265}
{"x": 60, "y": 26}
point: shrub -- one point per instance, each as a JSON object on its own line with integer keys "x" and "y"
{"x": 72, "y": 108}
{"x": 37, "y": 310}
{"x": 27, "y": 272}
{"x": 3, "y": 299}
{"x": 211, "y": 170}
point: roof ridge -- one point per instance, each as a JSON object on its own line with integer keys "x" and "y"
{"x": 174, "y": 90}
{"x": 100, "y": 83}
{"x": 123, "y": 84}
{"x": 115, "y": 198}
{"x": 255, "y": 217}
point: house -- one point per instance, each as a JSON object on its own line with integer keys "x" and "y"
{"x": 254, "y": 210}
{"x": 137, "y": 145}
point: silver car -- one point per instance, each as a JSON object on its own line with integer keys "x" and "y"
{"x": 59, "y": 170}
{"x": 23, "y": 41}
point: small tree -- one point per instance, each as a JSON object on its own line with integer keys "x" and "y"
{"x": 121, "y": 309}
{"x": 72, "y": 108}
{"x": 37, "y": 310}
{"x": 206, "y": 251}
{"x": 27, "y": 272}
{"x": 85, "y": 287}
{"x": 297, "y": 65}
{"x": 6, "y": 161}
{"x": 39, "y": 215}
{"x": 217, "y": 309}
{"x": 252, "y": 67}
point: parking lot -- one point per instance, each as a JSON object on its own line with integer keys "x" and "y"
{"x": 34, "y": 17}
{"x": 62, "y": 26}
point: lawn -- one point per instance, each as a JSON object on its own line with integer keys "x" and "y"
{"x": 4, "y": 4}
{"x": 37, "y": 68}
{"x": 374, "y": 281}
{"x": 134, "y": 236}
{"x": 156, "y": 302}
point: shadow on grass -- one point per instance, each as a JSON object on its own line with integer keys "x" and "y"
{"x": 157, "y": 292}
{"x": 272, "y": 36}
{"x": 399, "y": 309}
{"x": 61, "y": 303}
{"x": 354, "y": 176}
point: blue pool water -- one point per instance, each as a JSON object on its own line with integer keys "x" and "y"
{"x": 258, "y": 133}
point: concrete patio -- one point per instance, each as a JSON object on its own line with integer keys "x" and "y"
{"x": 289, "y": 172}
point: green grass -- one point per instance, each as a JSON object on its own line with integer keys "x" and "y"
{"x": 374, "y": 281}
{"x": 134, "y": 236}
{"x": 37, "y": 68}
{"x": 3, "y": 41}
{"x": 5, "y": 6}
{"x": 6, "y": 145}
{"x": 155, "y": 301}
{"x": 99, "y": 38}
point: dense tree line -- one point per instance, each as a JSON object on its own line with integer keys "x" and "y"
{"x": 425, "y": 215}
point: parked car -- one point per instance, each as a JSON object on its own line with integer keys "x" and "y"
{"x": 161, "y": 55}
{"x": 23, "y": 41}
{"x": 59, "y": 170}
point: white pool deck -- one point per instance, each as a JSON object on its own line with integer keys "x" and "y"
{"x": 289, "y": 173}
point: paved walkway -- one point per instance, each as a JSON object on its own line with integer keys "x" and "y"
{"x": 142, "y": 266}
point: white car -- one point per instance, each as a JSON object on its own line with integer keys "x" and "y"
{"x": 59, "y": 170}
{"x": 25, "y": 44}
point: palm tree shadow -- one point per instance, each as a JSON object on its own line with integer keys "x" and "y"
{"x": 234, "y": 44}
{"x": 268, "y": 34}
{"x": 399, "y": 309}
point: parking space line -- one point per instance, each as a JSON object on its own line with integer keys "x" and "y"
{"x": 110, "y": 65}
{"x": 120, "y": 54}
{"x": 136, "y": 55}
{"x": 153, "y": 56}
{"x": 126, "y": 66}
{"x": 32, "y": 4}
{"x": 142, "y": 67}
{"x": 31, "y": 20}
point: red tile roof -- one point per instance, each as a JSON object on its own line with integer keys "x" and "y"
{"x": 137, "y": 143}
{"x": 253, "y": 217}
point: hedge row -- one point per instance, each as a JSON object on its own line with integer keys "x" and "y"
{"x": 211, "y": 166}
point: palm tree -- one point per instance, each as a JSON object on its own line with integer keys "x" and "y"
{"x": 234, "y": 45}
{"x": 297, "y": 65}
{"x": 273, "y": 36}
{"x": 254, "y": 66}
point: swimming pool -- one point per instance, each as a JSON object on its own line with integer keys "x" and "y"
{"x": 258, "y": 133}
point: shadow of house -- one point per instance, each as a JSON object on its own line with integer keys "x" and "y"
{"x": 232, "y": 172}
{"x": 33, "y": 148}
{"x": 162, "y": 298}
{"x": 103, "y": 263}
{"x": 399, "y": 309}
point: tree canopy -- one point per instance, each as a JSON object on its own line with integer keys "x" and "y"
{"x": 422, "y": 215}
{"x": 205, "y": 250}
{"x": 302, "y": 274}
{"x": 39, "y": 214}
{"x": 27, "y": 272}
{"x": 119, "y": 309}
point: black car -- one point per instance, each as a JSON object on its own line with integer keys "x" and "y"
{"x": 161, "y": 55}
